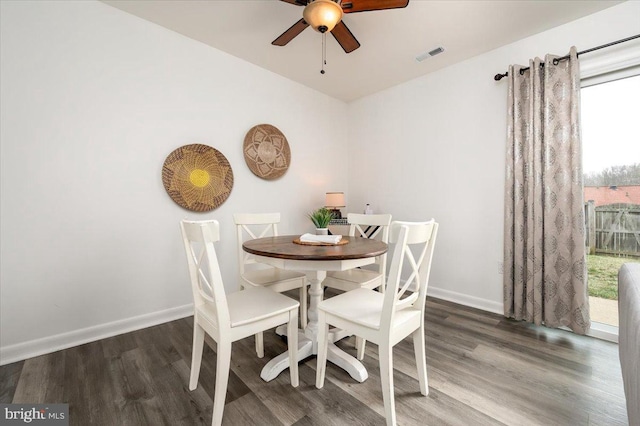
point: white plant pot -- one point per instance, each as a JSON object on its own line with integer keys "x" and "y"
{"x": 322, "y": 231}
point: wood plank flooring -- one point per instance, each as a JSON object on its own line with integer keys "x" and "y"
{"x": 483, "y": 370}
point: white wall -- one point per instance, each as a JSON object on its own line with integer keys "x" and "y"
{"x": 436, "y": 148}
{"x": 92, "y": 102}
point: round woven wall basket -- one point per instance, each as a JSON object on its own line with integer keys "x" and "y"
{"x": 266, "y": 151}
{"x": 197, "y": 177}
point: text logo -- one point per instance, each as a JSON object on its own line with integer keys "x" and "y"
{"x": 34, "y": 414}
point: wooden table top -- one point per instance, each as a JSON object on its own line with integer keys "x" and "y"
{"x": 283, "y": 247}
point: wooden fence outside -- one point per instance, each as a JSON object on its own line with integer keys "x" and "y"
{"x": 612, "y": 229}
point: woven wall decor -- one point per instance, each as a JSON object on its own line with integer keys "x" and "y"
{"x": 197, "y": 177}
{"x": 266, "y": 151}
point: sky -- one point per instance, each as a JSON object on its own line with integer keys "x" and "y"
{"x": 610, "y": 124}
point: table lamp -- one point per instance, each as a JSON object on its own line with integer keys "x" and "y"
{"x": 334, "y": 201}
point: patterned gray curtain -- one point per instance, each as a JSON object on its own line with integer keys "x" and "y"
{"x": 545, "y": 279}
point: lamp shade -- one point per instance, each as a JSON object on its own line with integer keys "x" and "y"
{"x": 334, "y": 199}
{"x": 322, "y": 15}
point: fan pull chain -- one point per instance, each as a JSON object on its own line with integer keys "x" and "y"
{"x": 324, "y": 52}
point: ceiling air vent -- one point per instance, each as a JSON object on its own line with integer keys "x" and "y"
{"x": 429, "y": 54}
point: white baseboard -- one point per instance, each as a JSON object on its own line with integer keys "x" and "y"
{"x": 466, "y": 300}
{"x": 32, "y": 348}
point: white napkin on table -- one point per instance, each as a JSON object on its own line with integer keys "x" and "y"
{"x": 311, "y": 238}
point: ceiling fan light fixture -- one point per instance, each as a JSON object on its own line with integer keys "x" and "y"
{"x": 322, "y": 15}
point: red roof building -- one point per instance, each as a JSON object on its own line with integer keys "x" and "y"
{"x": 603, "y": 195}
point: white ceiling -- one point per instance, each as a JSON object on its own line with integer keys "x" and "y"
{"x": 390, "y": 39}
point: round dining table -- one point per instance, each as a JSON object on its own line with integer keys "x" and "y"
{"x": 315, "y": 260}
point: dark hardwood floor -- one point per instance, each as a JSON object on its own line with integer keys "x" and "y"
{"x": 483, "y": 370}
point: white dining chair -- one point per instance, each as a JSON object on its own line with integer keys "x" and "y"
{"x": 375, "y": 226}
{"x": 253, "y": 274}
{"x": 229, "y": 317}
{"x": 386, "y": 319}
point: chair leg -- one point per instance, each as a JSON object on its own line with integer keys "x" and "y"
{"x": 223, "y": 365}
{"x": 260, "y": 345}
{"x": 258, "y": 337}
{"x": 196, "y": 354}
{"x": 292, "y": 342}
{"x": 385, "y": 352}
{"x": 360, "y": 343}
{"x": 323, "y": 331}
{"x": 303, "y": 306}
{"x": 421, "y": 360}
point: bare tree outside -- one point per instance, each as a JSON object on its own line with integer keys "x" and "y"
{"x": 614, "y": 176}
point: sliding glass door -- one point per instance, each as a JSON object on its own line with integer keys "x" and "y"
{"x": 611, "y": 165}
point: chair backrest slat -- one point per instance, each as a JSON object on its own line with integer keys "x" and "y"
{"x": 206, "y": 280}
{"x": 369, "y": 225}
{"x": 372, "y": 226}
{"x": 421, "y": 236}
{"x": 251, "y": 226}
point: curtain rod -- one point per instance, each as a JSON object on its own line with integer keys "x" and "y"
{"x": 499, "y": 77}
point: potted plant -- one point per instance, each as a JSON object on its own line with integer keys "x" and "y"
{"x": 321, "y": 218}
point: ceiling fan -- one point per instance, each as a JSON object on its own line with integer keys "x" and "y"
{"x": 326, "y": 16}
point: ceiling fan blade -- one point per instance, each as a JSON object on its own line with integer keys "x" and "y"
{"x": 344, "y": 37}
{"x": 296, "y": 2}
{"x": 352, "y": 6}
{"x": 291, "y": 33}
